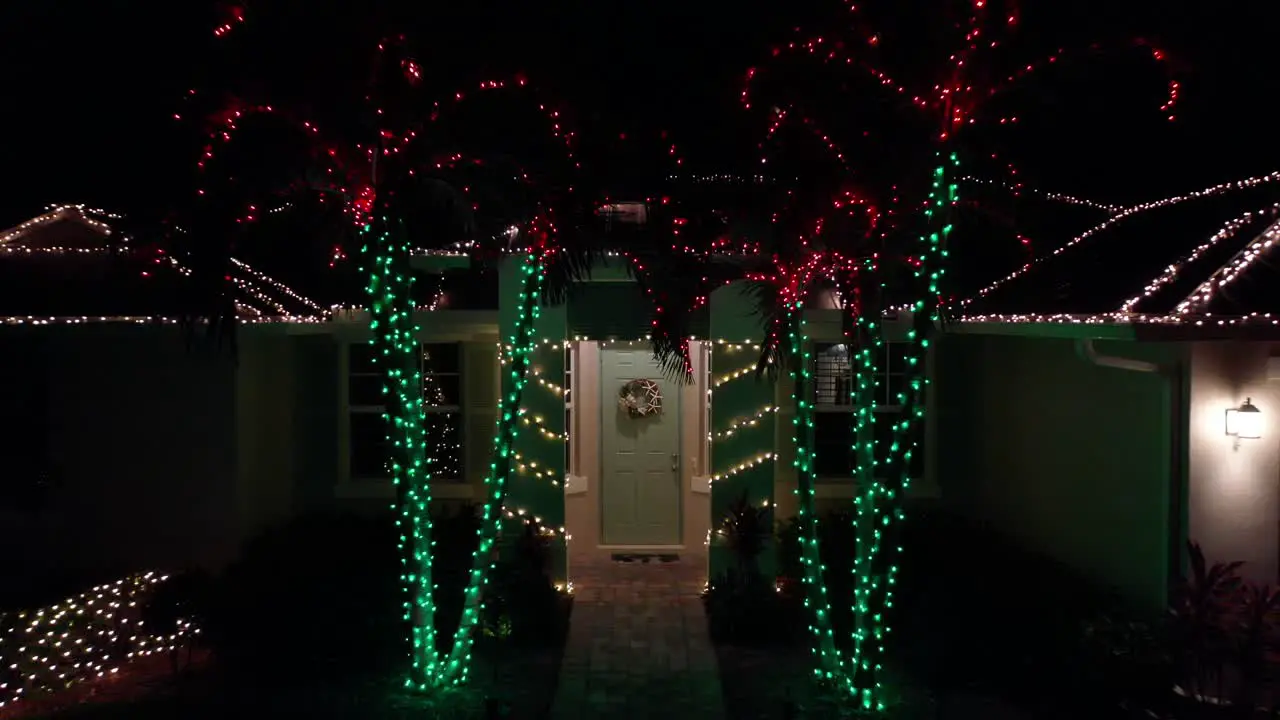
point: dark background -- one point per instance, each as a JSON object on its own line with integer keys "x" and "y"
{"x": 90, "y": 87}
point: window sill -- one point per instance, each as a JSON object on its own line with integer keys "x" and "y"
{"x": 833, "y": 488}
{"x": 377, "y": 489}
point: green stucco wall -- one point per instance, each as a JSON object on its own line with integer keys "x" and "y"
{"x": 1066, "y": 458}
{"x": 526, "y": 492}
{"x": 732, "y": 319}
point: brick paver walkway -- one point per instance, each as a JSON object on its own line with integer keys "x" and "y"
{"x": 638, "y": 646}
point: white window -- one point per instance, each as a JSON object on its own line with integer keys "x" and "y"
{"x": 441, "y": 395}
{"x": 570, "y": 432}
{"x": 834, "y": 409}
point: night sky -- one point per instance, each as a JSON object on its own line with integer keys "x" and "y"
{"x": 92, "y": 86}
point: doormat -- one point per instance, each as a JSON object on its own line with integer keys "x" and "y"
{"x": 644, "y": 558}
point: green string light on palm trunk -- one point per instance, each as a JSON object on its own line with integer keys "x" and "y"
{"x": 881, "y": 506}
{"x": 867, "y": 340}
{"x": 396, "y": 346}
{"x": 523, "y": 344}
{"x": 828, "y": 669}
{"x": 395, "y": 341}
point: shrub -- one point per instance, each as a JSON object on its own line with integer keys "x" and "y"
{"x": 523, "y": 602}
{"x": 321, "y": 593}
{"x": 743, "y": 606}
{"x": 177, "y": 604}
{"x": 746, "y": 609}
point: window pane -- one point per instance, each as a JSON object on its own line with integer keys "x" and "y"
{"x": 361, "y": 359}
{"x": 368, "y": 446}
{"x": 441, "y": 358}
{"x": 833, "y": 443}
{"x": 889, "y": 389}
{"x": 897, "y": 356}
{"x": 442, "y": 390}
{"x": 880, "y": 356}
{"x": 444, "y": 445}
{"x": 833, "y": 378}
{"x": 568, "y": 436}
{"x": 884, "y": 435}
{"x": 916, "y": 467}
{"x": 365, "y": 390}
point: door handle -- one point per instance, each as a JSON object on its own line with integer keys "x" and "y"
{"x": 675, "y": 462}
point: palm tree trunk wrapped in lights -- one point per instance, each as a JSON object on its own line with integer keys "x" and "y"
{"x": 395, "y": 337}
{"x": 829, "y": 665}
{"x": 879, "y": 505}
{"x": 395, "y": 342}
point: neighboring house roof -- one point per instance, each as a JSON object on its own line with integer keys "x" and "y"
{"x": 67, "y": 266}
{"x": 1193, "y": 259}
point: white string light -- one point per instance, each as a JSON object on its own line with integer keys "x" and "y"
{"x": 277, "y": 285}
{"x": 1017, "y": 188}
{"x": 53, "y": 214}
{"x": 743, "y": 466}
{"x": 730, "y": 377}
{"x": 743, "y": 423}
{"x": 537, "y": 423}
{"x": 1223, "y": 276}
{"x": 1127, "y": 212}
{"x": 89, "y": 636}
{"x": 251, "y": 286}
{"x": 1186, "y": 312}
{"x": 1116, "y": 318}
{"x": 1170, "y": 273}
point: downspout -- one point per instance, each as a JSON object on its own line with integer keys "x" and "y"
{"x": 1177, "y": 442}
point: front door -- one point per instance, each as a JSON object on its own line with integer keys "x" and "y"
{"x": 639, "y": 456}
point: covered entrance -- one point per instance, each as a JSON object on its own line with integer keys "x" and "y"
{"x": 635, "y": 485}
{"x": 640, "y": 450}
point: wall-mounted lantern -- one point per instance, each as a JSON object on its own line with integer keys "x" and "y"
{"x": 1245, "y": 422}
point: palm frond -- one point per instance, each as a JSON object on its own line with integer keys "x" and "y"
{"x": 767, "y": 305}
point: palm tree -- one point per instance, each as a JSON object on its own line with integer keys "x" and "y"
{"x": 395, "y": 180}
{"x": 908, "y": 155}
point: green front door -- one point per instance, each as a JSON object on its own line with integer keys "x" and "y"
{"x": 639, "y": 457}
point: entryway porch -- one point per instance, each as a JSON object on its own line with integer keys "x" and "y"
{"x": 636, "y": 480}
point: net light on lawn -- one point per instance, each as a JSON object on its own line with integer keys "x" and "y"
{"x": 1245, "y": 422}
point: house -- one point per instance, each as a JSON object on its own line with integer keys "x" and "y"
{"x": 131, "y": 443}
{"x": 1105, "y": 417}
{"x": 1086, "y": 420}
{"x": 119, "y": 441}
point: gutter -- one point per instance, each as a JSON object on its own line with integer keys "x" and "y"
{"x": 1086, "y": 350}
{"x": 1177, "y": 443}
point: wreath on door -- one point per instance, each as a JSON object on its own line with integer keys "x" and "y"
{"x": 640, "y": 398}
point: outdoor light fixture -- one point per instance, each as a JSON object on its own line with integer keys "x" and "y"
{"x": 1245, "y": 422}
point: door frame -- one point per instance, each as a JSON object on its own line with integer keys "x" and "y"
{"x": 604, "y": 347}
